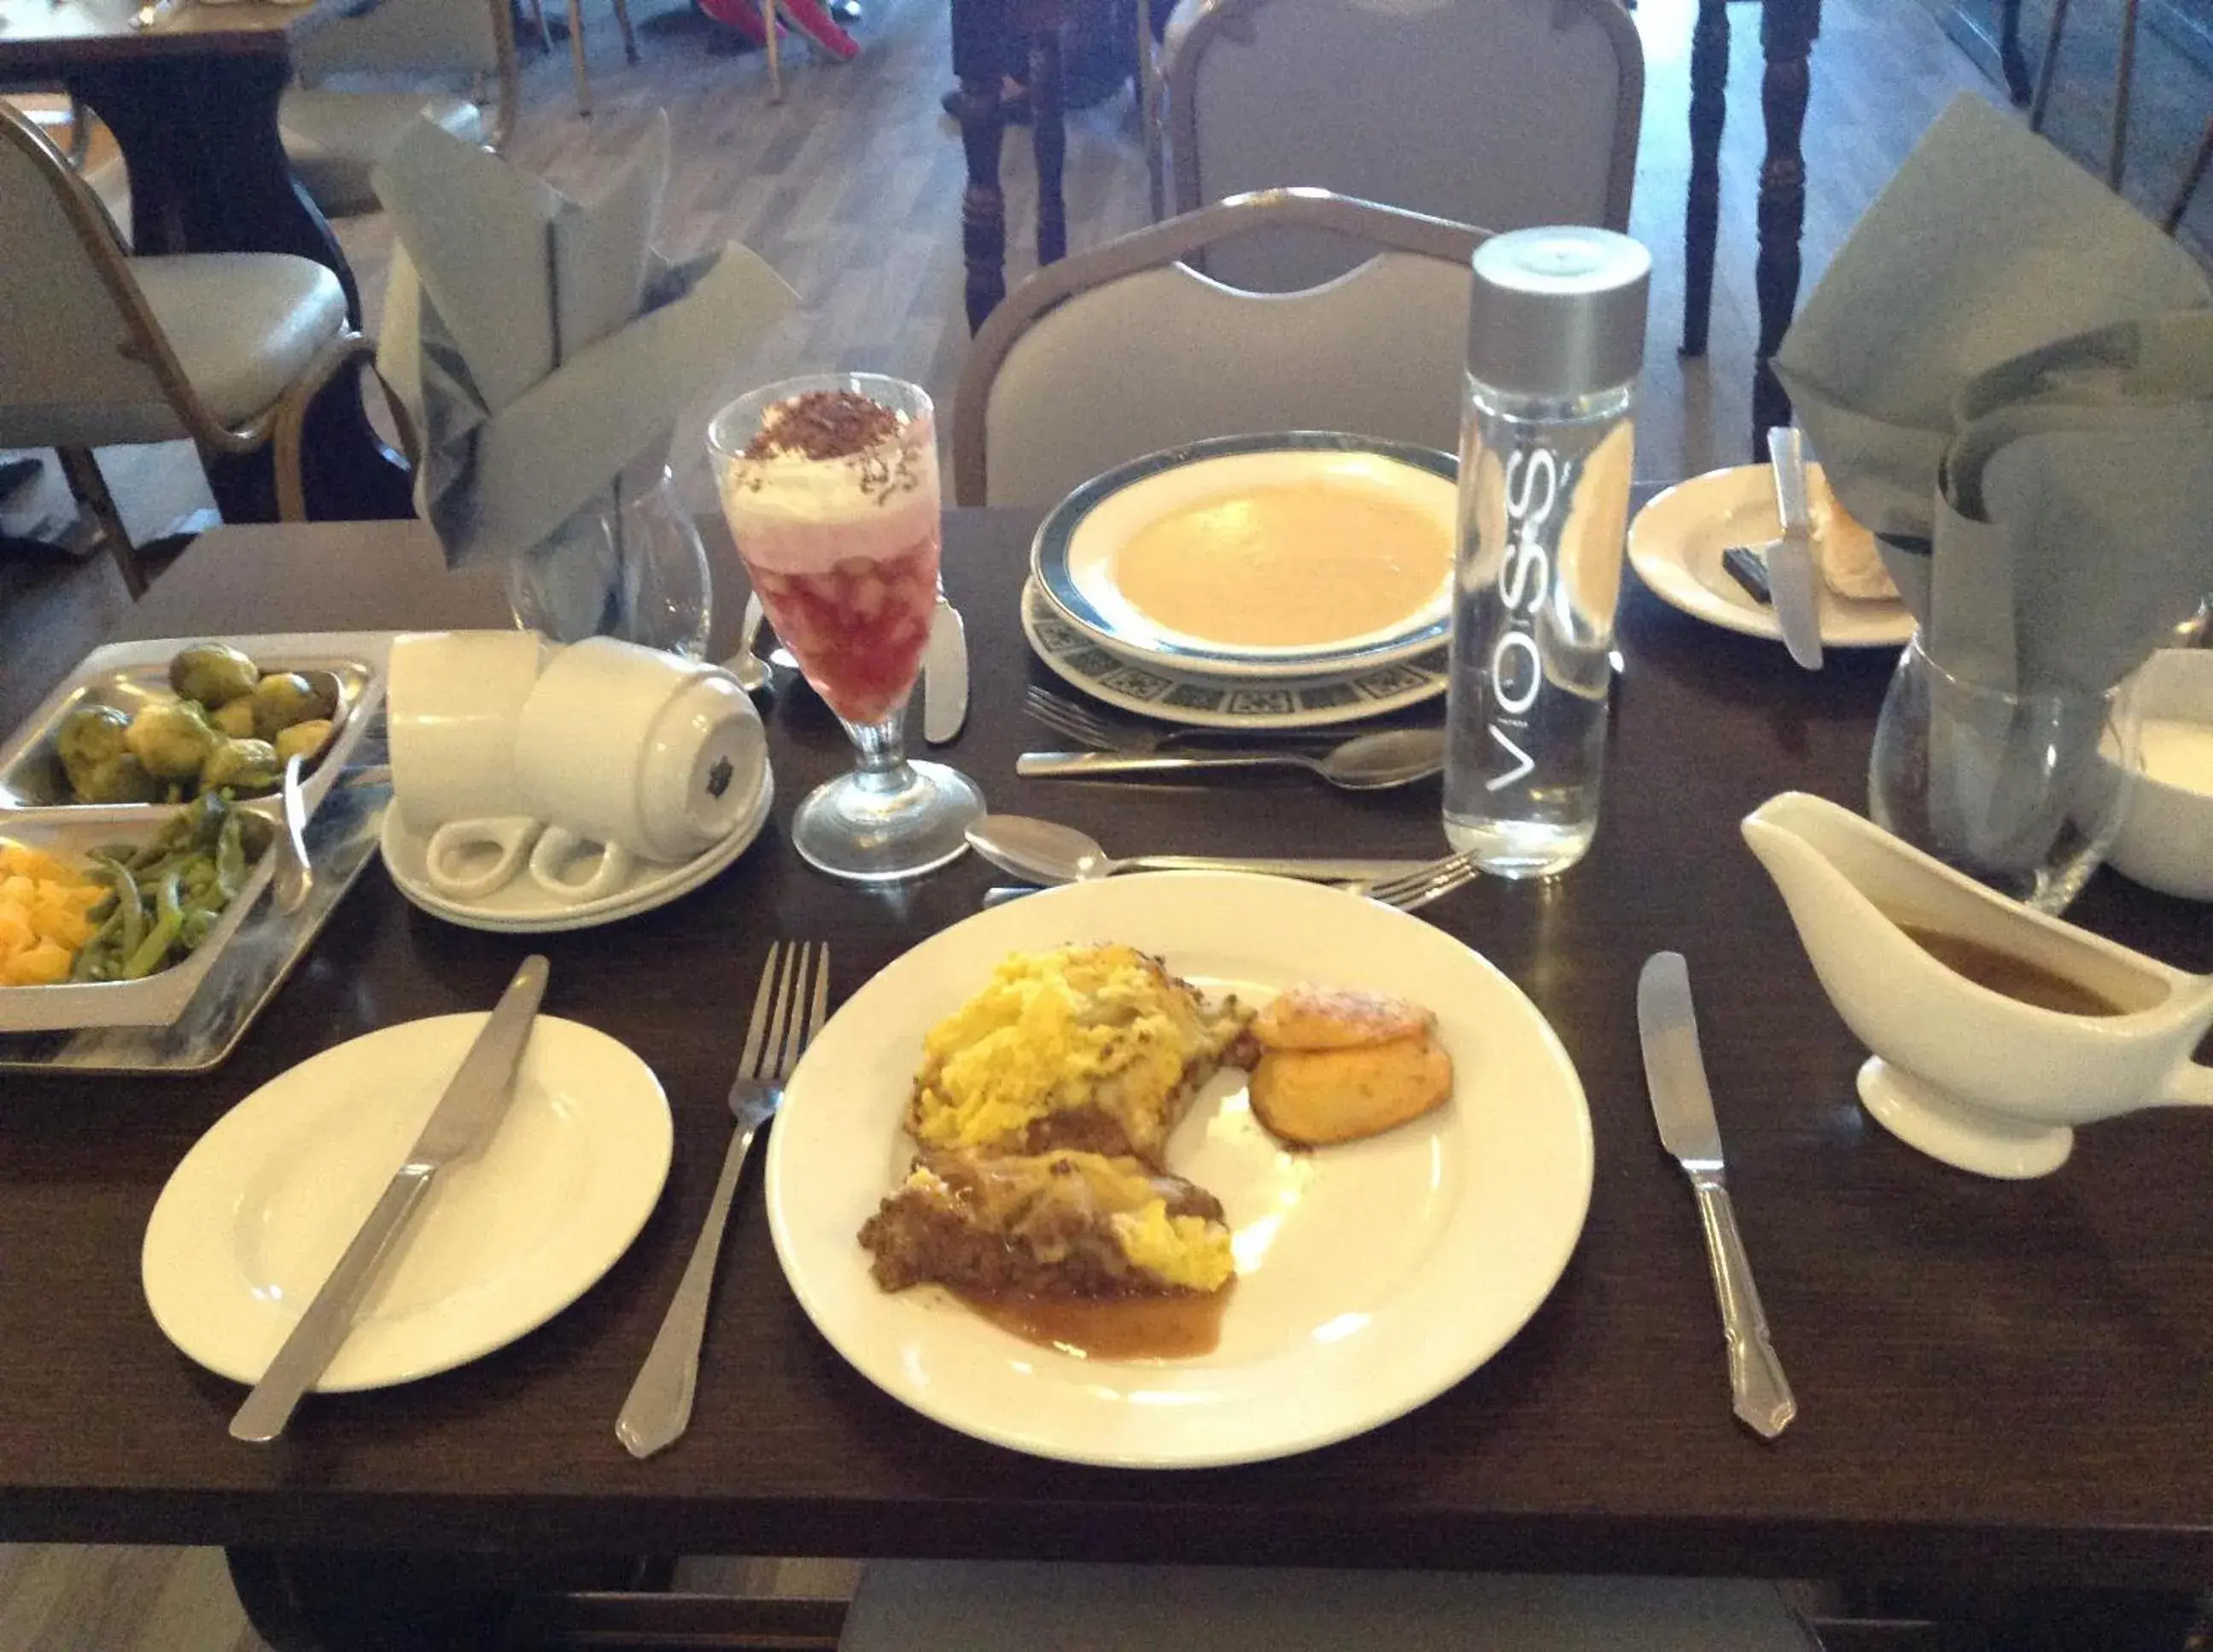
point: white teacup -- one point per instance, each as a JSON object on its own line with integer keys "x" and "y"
{"x": 453, "y": 704}
{"x": 621, "y": 755}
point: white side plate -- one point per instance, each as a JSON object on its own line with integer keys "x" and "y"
{"x": 256, "y": 1215}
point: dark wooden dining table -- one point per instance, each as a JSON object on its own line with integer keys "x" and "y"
{"x": 2002, "y": 1380}
{"x": 192, "y": 101}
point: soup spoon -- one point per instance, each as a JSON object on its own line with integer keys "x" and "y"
{"x": 1371, "y": 762}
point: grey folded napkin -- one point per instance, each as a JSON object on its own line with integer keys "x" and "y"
{"x": 540, "y": 345}
{"x": 2007, "y": 374}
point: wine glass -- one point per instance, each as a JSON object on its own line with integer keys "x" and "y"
{"x": 836, "y": 517}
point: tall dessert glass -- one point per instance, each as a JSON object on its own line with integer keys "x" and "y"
{"x": 831, "y": 488}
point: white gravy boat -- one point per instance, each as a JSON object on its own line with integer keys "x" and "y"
{"x": 1971, "y": 1076}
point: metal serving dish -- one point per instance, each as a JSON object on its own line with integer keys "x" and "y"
{"x": 131, "y": 675}
{"x": 155, "y": 1000}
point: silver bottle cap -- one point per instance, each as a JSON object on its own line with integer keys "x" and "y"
{"x": 1558, "y": 311}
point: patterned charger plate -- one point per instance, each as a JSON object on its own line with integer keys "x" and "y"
{"x": 1218, "y": 703}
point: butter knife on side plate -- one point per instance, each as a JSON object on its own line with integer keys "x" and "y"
{"x": 1791, "y": 576}
{"x": 1683, "y": 1108}
{"x": 466, "y": 1115}
{"x": 944, "y": 676}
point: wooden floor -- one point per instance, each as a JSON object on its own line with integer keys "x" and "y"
{"x": 851, "y": 190}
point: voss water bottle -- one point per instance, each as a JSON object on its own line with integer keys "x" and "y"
{"x": 1556, "y": 335}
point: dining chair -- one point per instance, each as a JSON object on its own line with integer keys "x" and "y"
{"x": 1125, "y": 348}
{"x": 999, "y": 1606}
{"x": 336, "y": 136}
{"x": 576, "y": 46}
{"x": 1502, "y": 113}
{"x": 224, "y": 349}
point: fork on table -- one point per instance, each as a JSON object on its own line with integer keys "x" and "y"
{"x": 1408, "y": 891}
{"x": 1107, "y": 733}
{"x": 659, "y": 1406}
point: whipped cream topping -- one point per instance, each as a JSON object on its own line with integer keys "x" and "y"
{"x": 796, "y": 504}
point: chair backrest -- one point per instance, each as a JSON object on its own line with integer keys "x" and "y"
{"x": 82, "y": 359}
{"x": 1124, "y": 349}
{"x": 1502, "y": 113}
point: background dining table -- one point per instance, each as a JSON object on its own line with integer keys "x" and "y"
{"x": 192, "y": 98}
{"x": 2006, "y": 1382}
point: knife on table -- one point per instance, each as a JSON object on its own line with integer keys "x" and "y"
{"x": 944, "y": 676}
{"x": 1684, "y": 1108}
{"x": 1790, "y": 575}
{"x": 463, "y": 1121}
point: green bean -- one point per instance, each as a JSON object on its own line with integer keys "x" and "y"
{"x": 147, "y": 956}
{"x": 87, "y": 955}
{"x": 133, "y": 911}
{"x": 230, "y": 857}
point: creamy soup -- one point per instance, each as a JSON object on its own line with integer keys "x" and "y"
{"x": 1285, "y": 566}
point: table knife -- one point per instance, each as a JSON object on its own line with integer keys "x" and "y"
{"x": 1790, "y": 574}
{"x": 1684, "y": 1108}
{"x": 464, "y": 1119}
{"x": 944, "y": 676}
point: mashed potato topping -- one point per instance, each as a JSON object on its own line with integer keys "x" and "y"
{"x": 1090, "y": 1046}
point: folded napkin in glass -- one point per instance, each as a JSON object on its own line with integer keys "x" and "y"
{"x": 540, "y": 345}
{"x": 2009, "y": 375}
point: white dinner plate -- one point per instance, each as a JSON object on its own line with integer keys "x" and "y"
{"x": 1675, "y": 544}
{"x": 258, "y": 1214}
{"x": 1075, "y": 558}
{"x": 1371, "y": 1276}
{"x": 1219, "y": 702}
{"x": 522, "y": 908}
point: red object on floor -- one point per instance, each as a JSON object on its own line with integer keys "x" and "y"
{"x": 811, "y": 17}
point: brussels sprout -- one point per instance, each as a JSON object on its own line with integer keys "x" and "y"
{"x": 91, "y": 736}
{"x": 324, "y": 685}
{"x": 302, "y": 740}
{"x": 235, "y": 720}
{"x": 241, "y": 766}
{"x": 171, "y": 740}
{"x": 121, "y": 780}
{"x": 281, "y": 699}
{"x": 214, "y": 674}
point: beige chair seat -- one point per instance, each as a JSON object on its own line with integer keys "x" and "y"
{"x": 335, "y": 138}
{"x": 244, "y": 326}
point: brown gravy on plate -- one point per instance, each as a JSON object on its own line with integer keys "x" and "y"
{"x": 1114, "y": 1327}
{"x": 2015, "y": 977}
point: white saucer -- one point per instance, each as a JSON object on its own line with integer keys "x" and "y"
{"x": 1675, "y": 544}
{"x": 522, "y": 908}
{"x": 256, "y": 1215}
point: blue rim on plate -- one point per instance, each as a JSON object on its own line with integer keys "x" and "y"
{"x": 1225, "y": 702}
{"x": 1052, "y": 568}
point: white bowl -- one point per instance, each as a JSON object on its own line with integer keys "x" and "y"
{"x": 2166, "y": 842}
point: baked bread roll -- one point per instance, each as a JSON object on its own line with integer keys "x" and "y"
{"x": 1336, "y": 1066}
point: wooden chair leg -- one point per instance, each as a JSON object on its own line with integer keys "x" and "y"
{"x": 775, "y": 55}
{"x": 577, "y": 57}
{"x": 2048, "y": 68}
{"x": 2118, "y": 144}
{"x": 2190, "y": 179}
{"x": 630, "y": 35}
{"x": 544, "y": 29}
{"x": 90, "y": 489}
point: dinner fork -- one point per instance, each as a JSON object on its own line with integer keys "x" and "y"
{"x": 659, "y": 1406}
{"x": 1410, "y": 890}
{"x": 1087, "y": 728}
